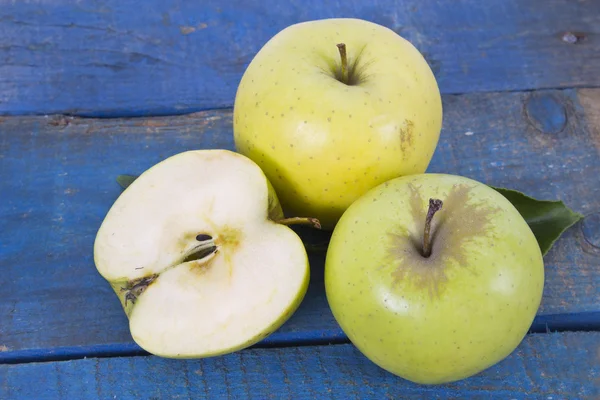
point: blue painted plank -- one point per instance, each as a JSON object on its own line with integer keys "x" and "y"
{"x": 545, "y": 366}
{"x": 58, "y": 183}
{"x": 546, "y": 323}
{"x": 114, "y": 58}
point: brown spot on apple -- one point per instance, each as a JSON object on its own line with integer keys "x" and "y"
{"x": 406, "y": 137}
{"x": 228, "y": 238}
{"x": 458, "y": 222}
{"x": 199, "y": 267}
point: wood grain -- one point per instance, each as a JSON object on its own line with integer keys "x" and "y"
{"x": 590, "y": 227}
{"x": 544, "y": 366}
{"x": 115, "y": 58}
{"x": 59, "y": 181}
{"x": 590, "y": 101}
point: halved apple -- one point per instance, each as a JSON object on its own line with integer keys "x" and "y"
{"x": 195, "y": 251}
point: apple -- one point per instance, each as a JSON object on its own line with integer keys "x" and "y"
{"x": 198, "y": 253}
{"x": 434, "y": 277}
{"x": 331, "y": 108}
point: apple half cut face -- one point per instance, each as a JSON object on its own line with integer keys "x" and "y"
{"x": 193, "y": 251}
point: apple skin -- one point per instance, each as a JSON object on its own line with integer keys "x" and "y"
{"x": 443, "y": 318}
{"x": 323, "y": 143}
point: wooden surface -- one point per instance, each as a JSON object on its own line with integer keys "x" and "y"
{"x": 521, "y": 110}
{"x": 64, "y": 182}
{"x": 321, "y": 372}
{"x": 115, "y": 58}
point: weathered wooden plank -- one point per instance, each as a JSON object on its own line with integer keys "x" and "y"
{"x": 58, "y": 183}
{"x": 114, "y": 58}
{"x": 545, "y": 366}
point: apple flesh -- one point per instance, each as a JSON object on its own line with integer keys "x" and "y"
{"x": 194, "y": 252}
{"x": 322, "y": 137}
{"x": 446, "y": 316}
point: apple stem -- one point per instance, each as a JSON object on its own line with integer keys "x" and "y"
{"x": 342, "y": 48}
{"x": 434, "y": 206}
{"x": 300, "y": 221}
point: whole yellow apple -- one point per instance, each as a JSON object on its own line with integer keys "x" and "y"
{"x": 434, "y": 277}
{"x": 332, "y": 108}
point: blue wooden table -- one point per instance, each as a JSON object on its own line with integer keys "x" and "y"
{"x": 91, "y": 90}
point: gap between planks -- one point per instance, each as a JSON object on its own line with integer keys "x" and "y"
{"x": 193, "y": 111}
{"x": 542, "y": 324}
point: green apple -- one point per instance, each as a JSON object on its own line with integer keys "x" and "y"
{"x": 326, "y": 123}
{"x": 199, "y": 256}
{"x": 430, "y": 296}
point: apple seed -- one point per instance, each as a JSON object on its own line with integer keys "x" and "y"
{"x": 203, "y": 249}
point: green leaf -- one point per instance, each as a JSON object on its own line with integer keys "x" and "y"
{"x": 125, "y": 180}
{"x": 547, "y": 219}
